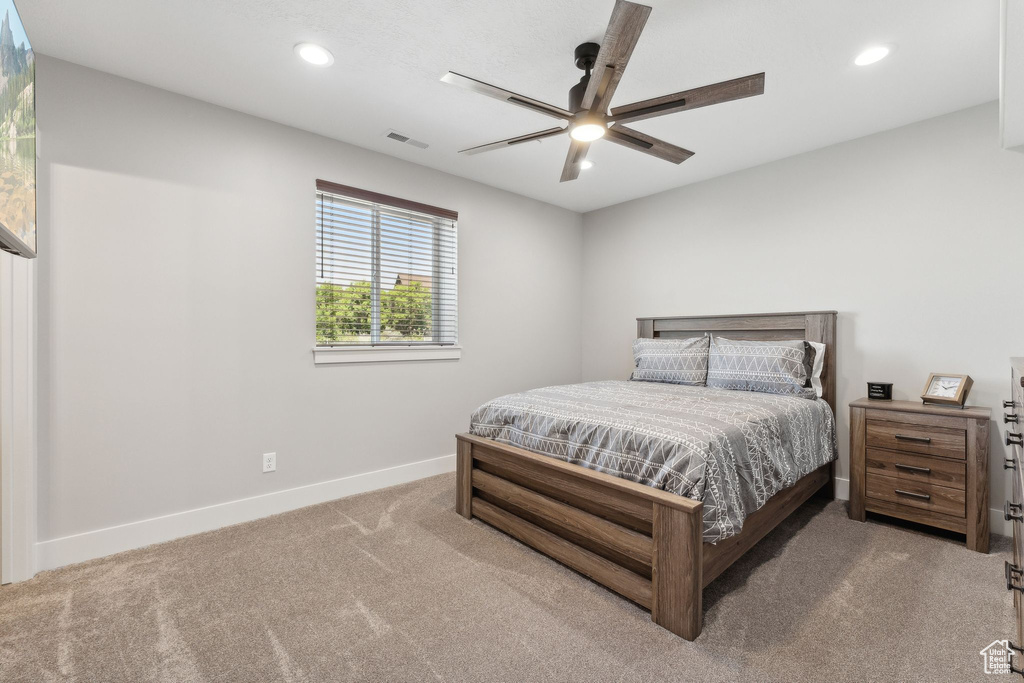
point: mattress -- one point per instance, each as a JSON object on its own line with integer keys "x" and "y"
{"x": 732, "y": 450}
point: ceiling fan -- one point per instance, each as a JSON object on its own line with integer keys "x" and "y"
{"x": 588, "y": 114}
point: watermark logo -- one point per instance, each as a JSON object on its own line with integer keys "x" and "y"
{"x": 997, "y": 657}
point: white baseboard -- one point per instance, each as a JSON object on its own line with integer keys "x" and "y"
{"x": 842, "y": 491}
{"x": 102, "y": 542}
{"x": 997, "y": 524}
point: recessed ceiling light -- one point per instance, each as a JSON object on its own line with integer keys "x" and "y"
{"x": 586, "y": 163}
{"x": 314, "y": 54}
{"x": 872, "y": 55}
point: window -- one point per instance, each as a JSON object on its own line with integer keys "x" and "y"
{"x": 386, "y": 274}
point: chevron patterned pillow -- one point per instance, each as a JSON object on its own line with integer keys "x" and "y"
{"x": 771, "y": 367}
{"x": 674, "y": 361}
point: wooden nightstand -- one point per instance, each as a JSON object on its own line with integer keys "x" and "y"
{"x": 922, "y": 463}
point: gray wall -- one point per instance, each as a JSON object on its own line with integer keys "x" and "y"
{"x": 176, "y": 290}
{"x": 913, "y": 235}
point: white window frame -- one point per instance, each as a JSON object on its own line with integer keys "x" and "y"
{"x": 390, "y": 352}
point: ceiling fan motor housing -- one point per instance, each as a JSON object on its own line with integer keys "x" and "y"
{"x": 594, "y": 122}
{"x": 576, "y": 93}
{"x": 585, "y": 56}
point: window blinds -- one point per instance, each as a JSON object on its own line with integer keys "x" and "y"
{"x": 386, "y": 270}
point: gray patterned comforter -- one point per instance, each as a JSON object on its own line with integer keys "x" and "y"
{"x": 732, "y": 450}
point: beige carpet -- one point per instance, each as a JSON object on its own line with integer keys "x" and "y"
{"x": 394, "y": 586}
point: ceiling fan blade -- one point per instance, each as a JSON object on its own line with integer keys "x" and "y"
{"x": 726, "y": 91}
{"x": 506, "y": 95}
{"x": 641, "y": 142}
{"x": 577, "y": 153}
{"x": 540, "y": 135}
{"x": 624, "y": 28}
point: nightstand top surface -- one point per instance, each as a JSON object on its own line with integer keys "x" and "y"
{"x": 971, "y": 412}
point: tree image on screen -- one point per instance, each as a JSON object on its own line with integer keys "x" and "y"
{"x": 17, "y": 135}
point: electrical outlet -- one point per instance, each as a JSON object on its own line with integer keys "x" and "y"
{"x": 269, "y": 462}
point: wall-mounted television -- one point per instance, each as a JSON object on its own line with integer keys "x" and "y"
{"x": 17, "y": 136}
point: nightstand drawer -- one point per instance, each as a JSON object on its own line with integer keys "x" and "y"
{"x": 922, "y": 469}
{"x": 1018, "y": 602}
{"x": 1018, "y": 483}
{"x": 1017, "y": 497}
{"x": 914, "y": 438}
{"x": 941, "y": 499}
{"x": 1018, "y": 553}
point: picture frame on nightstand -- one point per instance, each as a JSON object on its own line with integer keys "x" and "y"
{"x": 946, "y": 389}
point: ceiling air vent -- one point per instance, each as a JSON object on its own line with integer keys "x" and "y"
{"x": 405, "y": 139}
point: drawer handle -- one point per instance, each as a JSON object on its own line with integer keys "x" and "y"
{"x": 1010, "y": 464}
{"x": 1007, "y": 515}
{"x": 919, "y": 439}
{"x": 1013, "y": 439}
{"x": 913, "y": 468}
{"x": 1011, "y": 572}
{"x": 1007, "y": 404}
{"x": 1013, "y": 669}
{"x": 921, "y": 496}
{"x": 1010, "y": 417}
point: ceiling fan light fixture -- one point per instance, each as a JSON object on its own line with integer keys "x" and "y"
{"x": 603, "y": 65}
{"x": 314, "y": 54}
{"x": 872, "y": 55}
{"x": 587, "y": 131}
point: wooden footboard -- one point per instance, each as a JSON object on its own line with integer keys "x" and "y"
{"x": 643, "y": 543}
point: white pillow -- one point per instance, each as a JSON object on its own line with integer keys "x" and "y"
{"x": 819, "y": 364}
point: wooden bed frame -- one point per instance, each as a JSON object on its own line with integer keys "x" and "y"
{"x": 642, "y": 543}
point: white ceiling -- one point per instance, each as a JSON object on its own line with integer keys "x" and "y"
{"x": 390, "y": 55}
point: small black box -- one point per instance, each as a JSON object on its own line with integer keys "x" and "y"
{"x": 880, "y": 391}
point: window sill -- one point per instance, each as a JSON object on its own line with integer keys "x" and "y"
{"x": 323, "y": 355}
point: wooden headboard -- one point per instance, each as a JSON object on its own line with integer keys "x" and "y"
{"x": 816, "y": 326}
